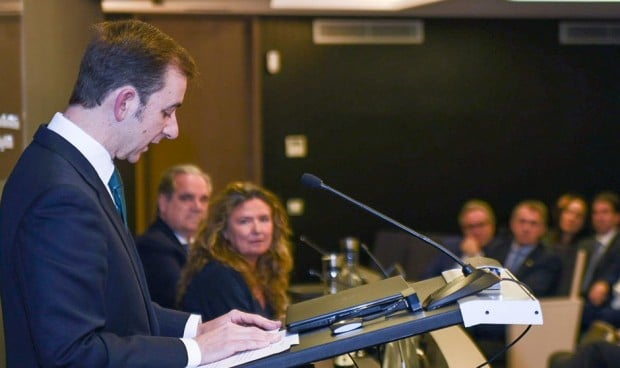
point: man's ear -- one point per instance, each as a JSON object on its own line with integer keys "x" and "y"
{"x": 162, "y": 201}
{"x": 125, "y": 103}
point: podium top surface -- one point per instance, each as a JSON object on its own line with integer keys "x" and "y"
{"x": 320, "y": 344}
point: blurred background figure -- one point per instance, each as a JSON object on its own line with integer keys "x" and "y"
{"x": 599, "y": 349}
{"x": 524, "y": 255}
{"x": 477, "y": 223}
{"x": 182, "y": 201}
{"x": 603, "y": 264}
{"x": 241, "y": 260}
{"x": 568, "y": 230}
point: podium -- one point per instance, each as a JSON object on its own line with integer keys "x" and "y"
{"x": 320, "y": 344}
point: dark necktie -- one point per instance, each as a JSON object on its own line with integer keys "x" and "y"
{"x": 595, "y": 257}
{"x": 516, "y": 258}
{"x": 116, "y": 187}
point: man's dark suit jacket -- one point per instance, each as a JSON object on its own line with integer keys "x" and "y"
{"x": 73, "y": 289}
{"x": 541, "y": 269}
{"x": 163, "y": 257}
{"x": 608, "y": 268}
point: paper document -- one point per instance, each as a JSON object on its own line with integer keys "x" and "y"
{"x": 247, "y": 356}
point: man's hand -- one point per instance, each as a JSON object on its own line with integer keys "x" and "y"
{"x": 598, "y": 292}
{"x": 234, "y": 332}
{"x": 470, "y": 247}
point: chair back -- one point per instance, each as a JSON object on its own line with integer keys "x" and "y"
{"x": 580, "y": 266}
{"x": 393, "y": 247}
{"x": 559, "y": 331}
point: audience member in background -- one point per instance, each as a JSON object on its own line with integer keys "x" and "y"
{"x": 597, "y": 349}
{"x": 529, "y": 260}
{"x": 241, "y": 260}
{"x": 524, "y": 255}
{"x": 603, "y": 265}
{"x": 183, "y": 196}
{"x": 597, "y": 354}
{"x": 477, "y": 222}
{"x": 569, "y": 217}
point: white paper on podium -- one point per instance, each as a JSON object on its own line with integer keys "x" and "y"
{"x": 510, "y": 304}
{"x": 285, "y": 343}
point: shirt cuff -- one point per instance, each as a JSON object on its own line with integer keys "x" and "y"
{"x": 191, "y": 326}
{"x": 194, "y": 356}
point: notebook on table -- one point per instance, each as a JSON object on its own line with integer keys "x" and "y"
{"x": 390, "y": 294}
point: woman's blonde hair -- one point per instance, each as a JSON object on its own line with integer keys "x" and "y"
{"x": 273, "y": 268}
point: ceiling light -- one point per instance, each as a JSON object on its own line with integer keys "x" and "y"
{"x": 349, "y": 4}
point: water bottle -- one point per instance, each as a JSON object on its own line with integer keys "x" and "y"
{"x": 331, "y": 266}
{"x": 349, "y": 275}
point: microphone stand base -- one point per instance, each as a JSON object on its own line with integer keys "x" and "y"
{"x": 459, "y": 288}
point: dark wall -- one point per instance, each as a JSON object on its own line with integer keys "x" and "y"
{"x": 495, "y": 109}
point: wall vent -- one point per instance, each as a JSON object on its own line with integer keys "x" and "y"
{"x": 372, "y": 31}
{"x": 590, "y": 33}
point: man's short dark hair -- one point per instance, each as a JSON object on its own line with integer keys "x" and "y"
{"x": 167, "y": 183}
{"x": 609, "y": 197}
{"x": 127, "y": 52}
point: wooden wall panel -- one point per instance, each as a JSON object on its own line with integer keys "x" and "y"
{"x": 10, "y": 93}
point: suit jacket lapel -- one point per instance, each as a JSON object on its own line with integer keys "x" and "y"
{"x": 530, "y": 260}
{"x": 170, "y": 234}
{"x": 56, "y": 143}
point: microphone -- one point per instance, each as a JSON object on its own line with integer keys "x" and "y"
{"x": 473, "y": 281}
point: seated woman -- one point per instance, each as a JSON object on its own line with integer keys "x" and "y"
{"x": 241, "y": 259}
{"x": 564, "y": 238}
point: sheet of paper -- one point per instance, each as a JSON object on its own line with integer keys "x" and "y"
{"x": 247, "y": 356}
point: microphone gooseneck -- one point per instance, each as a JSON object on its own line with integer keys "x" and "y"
{"x": 313, "y": 245}
{"x": 375, "y": 260}
{"x": 474, "y": 280}
{"x": 312, "y": 181}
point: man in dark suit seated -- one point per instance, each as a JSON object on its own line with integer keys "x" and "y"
{"x": 603, "y": 264}
{"x": 477, "y": 222}
{"x": 73, "y": 290}
{"x": 524, "y": 255}
{"x": 183, "y": 197}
